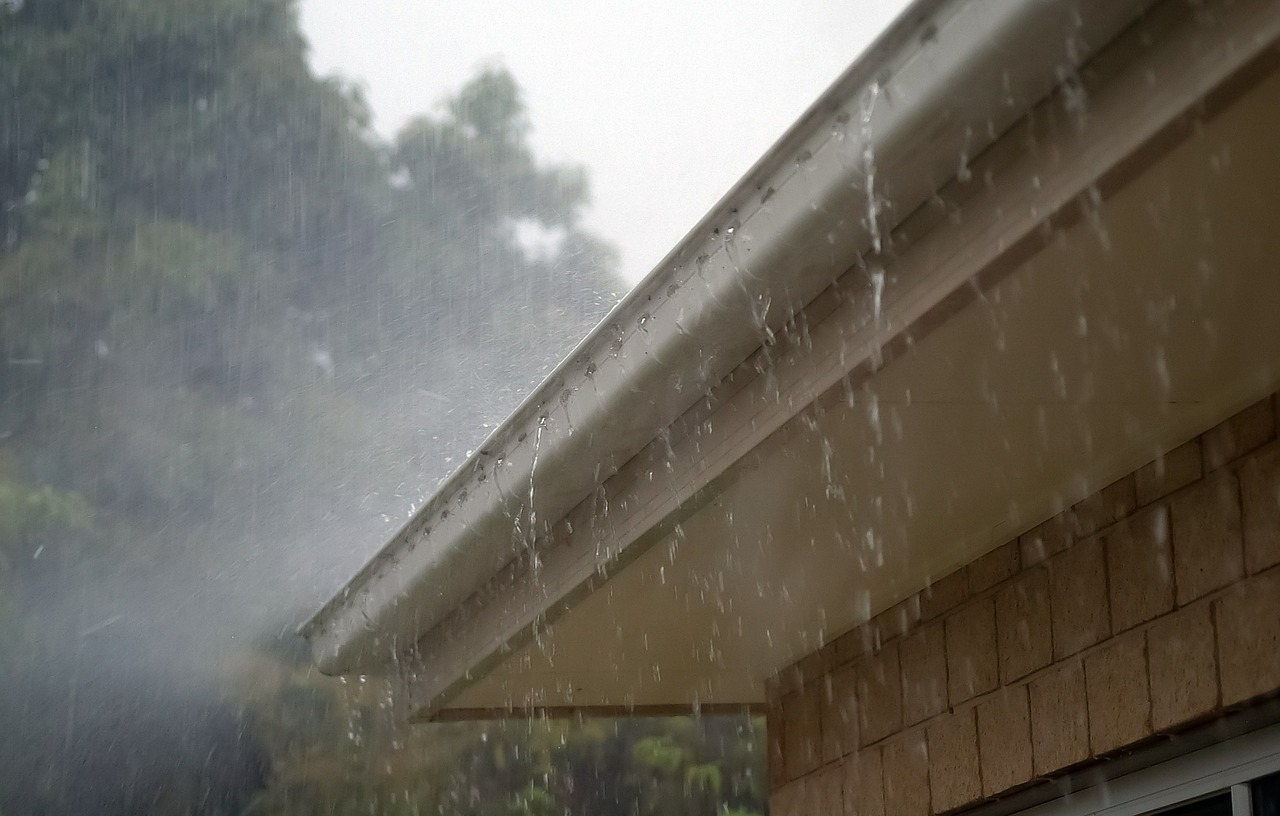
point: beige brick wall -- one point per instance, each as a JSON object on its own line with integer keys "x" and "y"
{"x": 1148, "y": 608}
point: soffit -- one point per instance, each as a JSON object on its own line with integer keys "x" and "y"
{"x": 1145, "y": 322}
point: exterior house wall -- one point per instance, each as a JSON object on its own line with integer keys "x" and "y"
{"x": 1150, "y": 607}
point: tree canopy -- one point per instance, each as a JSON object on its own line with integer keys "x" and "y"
{"x": 240, "y": 336}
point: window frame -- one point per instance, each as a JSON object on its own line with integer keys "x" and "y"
{"x": 1227, "y": 766}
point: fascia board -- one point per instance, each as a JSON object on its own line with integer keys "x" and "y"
{"x": 933, "y": 277}
{"x": 939, "y": 86}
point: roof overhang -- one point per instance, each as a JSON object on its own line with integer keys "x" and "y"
{"x": 788, "y": 298}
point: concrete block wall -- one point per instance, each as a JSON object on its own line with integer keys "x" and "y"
{"x": 1150, "y": 607}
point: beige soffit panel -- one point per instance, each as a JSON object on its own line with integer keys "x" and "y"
{"x": 930, "y": 280}
{"x": 1108, "y": 346}
{"x": 942, "y": 83}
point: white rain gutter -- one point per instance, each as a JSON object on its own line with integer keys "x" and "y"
{"x": 938, "y": 86}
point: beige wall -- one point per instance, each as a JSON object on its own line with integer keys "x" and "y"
{"x": 1146, "y": 609}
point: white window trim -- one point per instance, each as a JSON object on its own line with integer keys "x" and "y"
{"x": 1226, "y": 766}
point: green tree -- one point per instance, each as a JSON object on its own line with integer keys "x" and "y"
{"x": 230, "y": 314}
{"x": 205, "y": 242}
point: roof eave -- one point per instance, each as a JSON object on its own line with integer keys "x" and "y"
{"x": 944, "y": 81}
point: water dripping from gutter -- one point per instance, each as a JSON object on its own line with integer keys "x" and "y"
{"x": 869, "y": 164}
{"x": 533, "y": 511}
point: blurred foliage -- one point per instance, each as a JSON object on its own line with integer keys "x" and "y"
{"x": 230, "y": 313}
{"x": 344, "y": 748}
{"x": 32, "y": 515}
{"x": 202, "y": 241}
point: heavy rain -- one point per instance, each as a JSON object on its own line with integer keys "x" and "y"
{"x": 461, "y": 446}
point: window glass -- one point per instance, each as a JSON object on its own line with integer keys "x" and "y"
{"x": 1266, "y": 795}
{"x": 1219, "y": 805}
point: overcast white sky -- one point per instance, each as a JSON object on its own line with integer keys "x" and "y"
{"x": 666, "y": 102}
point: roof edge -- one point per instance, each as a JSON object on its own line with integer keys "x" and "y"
{"x": 935, "y": 85}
